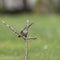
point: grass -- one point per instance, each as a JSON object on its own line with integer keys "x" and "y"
{"x": 47, "y": 45}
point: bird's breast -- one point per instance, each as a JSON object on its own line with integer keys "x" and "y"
{"x": 25, "y": 31}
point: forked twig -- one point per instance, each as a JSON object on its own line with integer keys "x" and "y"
{"x": 22, "y": 34}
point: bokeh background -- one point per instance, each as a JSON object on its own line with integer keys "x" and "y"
{"x": 45, "y": 14}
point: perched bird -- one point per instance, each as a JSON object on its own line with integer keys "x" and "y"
{"x": 24, "y": 32}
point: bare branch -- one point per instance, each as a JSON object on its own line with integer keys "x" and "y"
{"x": 11, "y": 28}
{"x": 28, "y": 24}
{"x": 14, "y": 30}
{"x": 31, "y": 38}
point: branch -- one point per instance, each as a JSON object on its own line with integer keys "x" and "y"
{"x": 31, "y": 38}
{"x": 14, "y": 30}
{"x": 11, "y": 28}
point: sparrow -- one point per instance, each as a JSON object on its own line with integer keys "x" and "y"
{"x": 24, "y": 32}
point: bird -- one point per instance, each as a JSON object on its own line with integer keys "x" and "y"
{"x": 24, "y": 32}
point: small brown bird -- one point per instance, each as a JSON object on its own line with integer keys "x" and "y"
{"x": 24, "y": 32}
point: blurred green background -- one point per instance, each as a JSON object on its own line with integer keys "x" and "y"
{"x": 45, "y": 47}
{"x": 43, "y": 13}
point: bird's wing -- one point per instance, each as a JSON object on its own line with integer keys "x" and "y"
{"x": 11, "y": 28}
